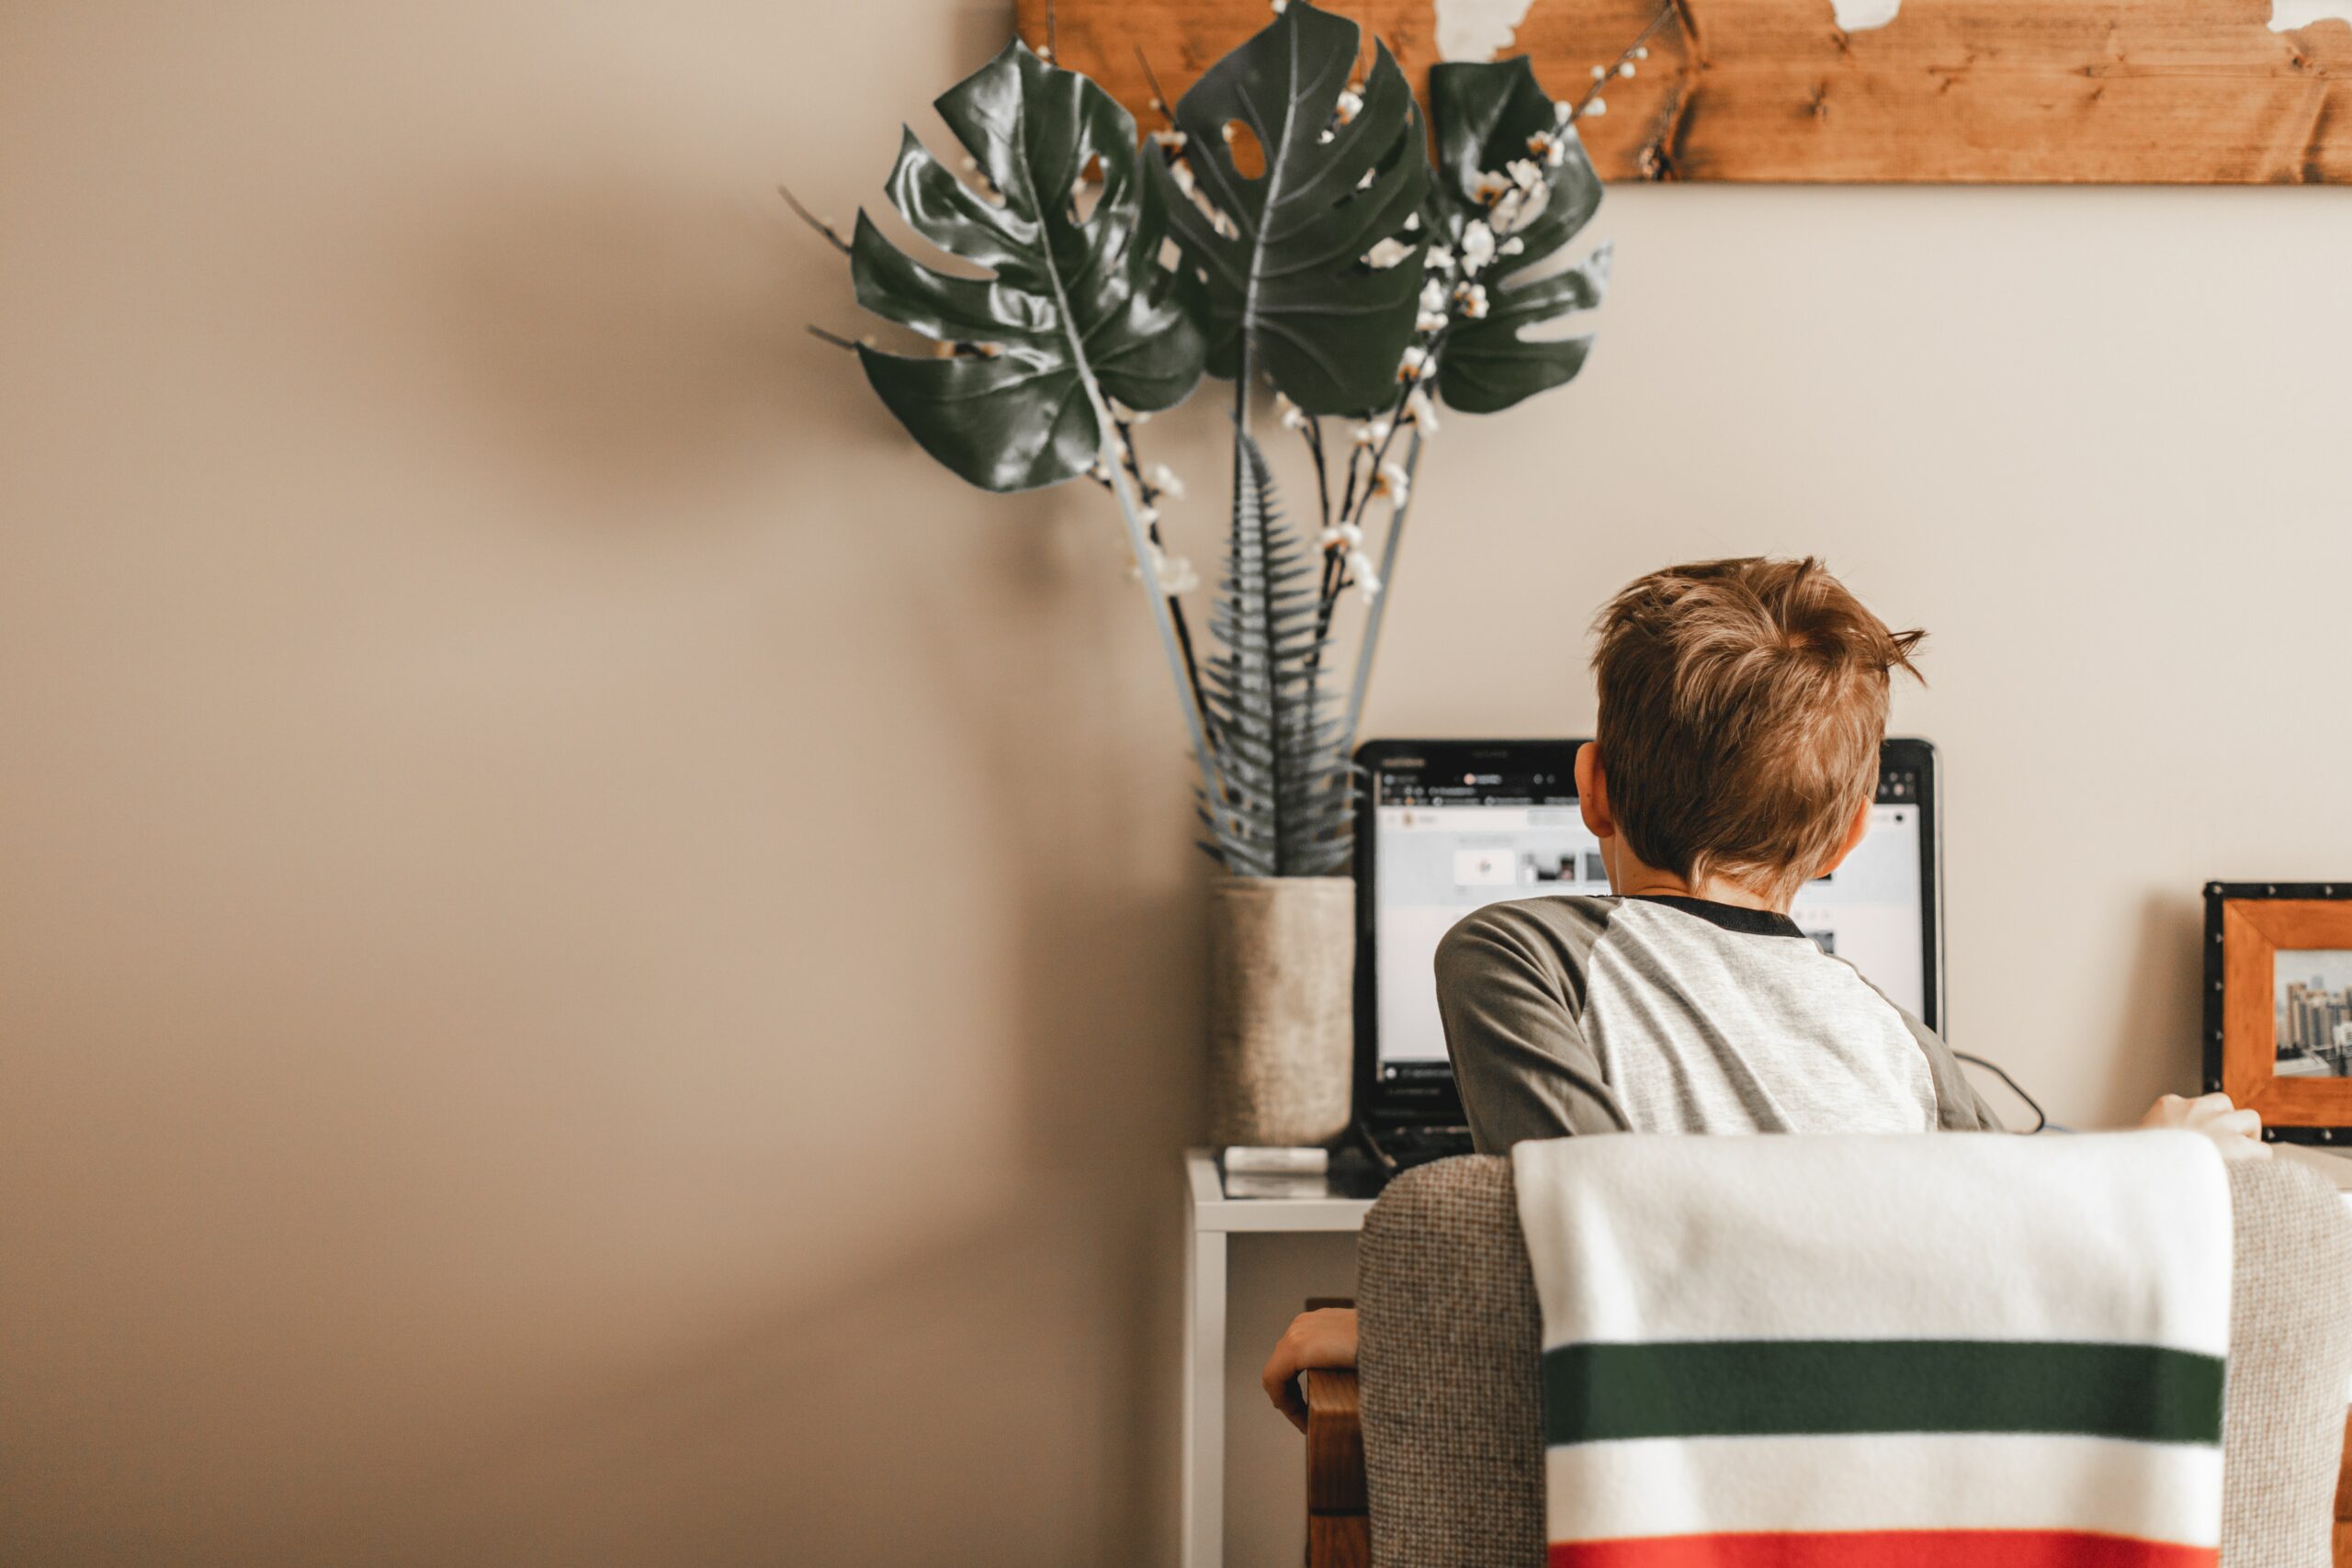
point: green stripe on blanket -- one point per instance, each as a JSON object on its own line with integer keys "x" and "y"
{"x": 1593, "y": 1393}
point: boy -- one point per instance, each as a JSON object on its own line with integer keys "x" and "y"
{"x": 1742, "y": 705}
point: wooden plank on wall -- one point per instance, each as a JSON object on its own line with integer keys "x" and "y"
{"x": 2112, "y": 92}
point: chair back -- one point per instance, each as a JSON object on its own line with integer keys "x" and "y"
{"x": 1450, "y": 1337}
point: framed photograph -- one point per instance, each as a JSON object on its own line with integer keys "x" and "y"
{"x": 2279, "y": 1004}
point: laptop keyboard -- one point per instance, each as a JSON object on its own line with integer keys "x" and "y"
{"x": 1405, "y": 1147}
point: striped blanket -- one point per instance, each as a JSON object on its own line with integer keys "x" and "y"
{"x": 1881, "y": 1351}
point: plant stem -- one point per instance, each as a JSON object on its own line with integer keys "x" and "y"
{"x": 1351, "y": 509}
{"x": 832, "y": 235}
{"x": 1175, "y": 605}
{"x": 1313, "y": 431}
{"x": 1192, "y": 666}
{"x": 1158, "y": 98}
{"x": 1241, "y": 410}
{"x": 1212, "y": 792}
{"x": 1373, "y": 617}
{"x": 1324, "y": 593}
{"x": 1203, "y": 755}
{"x": 1623, "y": 55}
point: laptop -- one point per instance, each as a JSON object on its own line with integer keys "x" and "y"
{"x": 1443, "y": 827}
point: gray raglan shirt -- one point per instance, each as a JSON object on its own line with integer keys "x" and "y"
{"x": 1677, "y": 1015}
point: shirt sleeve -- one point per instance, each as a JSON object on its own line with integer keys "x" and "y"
{"x": 1959, "y": 1108}
{"x": 1511, "y": 992}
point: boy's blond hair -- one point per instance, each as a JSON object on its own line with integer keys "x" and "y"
{"x": 1742, "y": 705}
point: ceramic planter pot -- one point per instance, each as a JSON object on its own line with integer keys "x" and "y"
{"x": 1282, "y": 1007}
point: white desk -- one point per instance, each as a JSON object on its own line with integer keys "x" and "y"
{"x": 1212, "y": 1217}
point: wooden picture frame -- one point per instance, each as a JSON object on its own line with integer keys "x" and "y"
{"x": 2247, "y": 926}
{"x": 2089, "y": 92}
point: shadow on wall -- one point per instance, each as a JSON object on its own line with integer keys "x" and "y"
{"x": 998, "y": 1395}
{"x": 1110, "y": 955}
{"x": 1001, "y": 1395}
{"x": 2153, "y": 1052}
{"x": 929, "y": 1412}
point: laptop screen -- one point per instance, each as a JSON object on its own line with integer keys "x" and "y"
{"x": 1457, "y": 826}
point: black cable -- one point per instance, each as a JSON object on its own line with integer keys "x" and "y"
{"x": 2040, "y": 1117}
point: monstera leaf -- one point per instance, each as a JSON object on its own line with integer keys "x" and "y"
{"x": 1487, "y": 117}
{"x": 1282, "y": 253}
{"x": 1077, "y": 307}
{"x": 1285, "y": 806}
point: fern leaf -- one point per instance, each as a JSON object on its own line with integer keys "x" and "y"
{"x": 1287, "y": 811}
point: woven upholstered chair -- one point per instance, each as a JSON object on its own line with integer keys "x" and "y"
{"x": 1430, "y": 1454}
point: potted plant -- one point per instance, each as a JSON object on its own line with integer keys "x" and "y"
{"x": 1328, "y": 248}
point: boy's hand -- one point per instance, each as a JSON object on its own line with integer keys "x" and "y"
{"x": 1325, "y": 1338}
{"x": 2237, "y": 1132}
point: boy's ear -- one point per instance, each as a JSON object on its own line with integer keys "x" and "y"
{"x": 1592, "y": 792}
{"x": 1855, "y": 831}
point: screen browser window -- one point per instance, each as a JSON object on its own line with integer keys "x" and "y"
{"x": 1453, "y": 843}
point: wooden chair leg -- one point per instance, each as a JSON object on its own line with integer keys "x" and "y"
{"x": 1339, "y": 1540}
{"x": 2344, "y": 1502}
{"x": 1339, "y": 1524}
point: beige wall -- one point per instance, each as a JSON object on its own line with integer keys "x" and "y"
{"x": 598, "y": 965}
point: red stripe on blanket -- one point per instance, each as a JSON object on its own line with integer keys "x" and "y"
{"x": 1882, "y": 1549}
